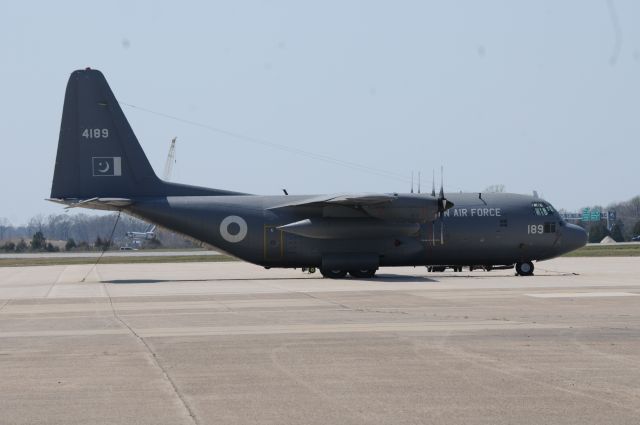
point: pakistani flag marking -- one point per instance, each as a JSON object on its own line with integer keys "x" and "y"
{"x": 107, "y": 166}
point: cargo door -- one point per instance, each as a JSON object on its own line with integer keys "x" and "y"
{"x": 273, "y": 243}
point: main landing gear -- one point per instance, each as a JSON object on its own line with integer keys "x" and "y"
{"x": 363, "y": 273}
{"x": 339, "y": 274}
{"x": 524, "y": 269}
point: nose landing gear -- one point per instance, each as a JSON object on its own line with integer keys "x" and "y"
{"x": 524, "y": 268}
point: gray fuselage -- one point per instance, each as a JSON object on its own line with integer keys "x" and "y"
{"x": 491, "y": 229}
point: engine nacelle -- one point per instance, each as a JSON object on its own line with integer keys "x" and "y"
{"x": 349, "y": 228}
{"x": 414, "y": 208}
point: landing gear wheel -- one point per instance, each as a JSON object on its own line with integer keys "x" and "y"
{"x": 363, "y": 274}
{"x": 524, "y": 269}
{"x": 333, "y": 274}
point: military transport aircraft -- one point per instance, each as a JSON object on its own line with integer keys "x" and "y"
{"x": 101, "y": 165}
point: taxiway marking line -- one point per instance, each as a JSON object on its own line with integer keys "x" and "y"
{"x": 582, "y": 294}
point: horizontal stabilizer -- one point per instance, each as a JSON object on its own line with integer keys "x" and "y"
{"x": 109, "y": 204}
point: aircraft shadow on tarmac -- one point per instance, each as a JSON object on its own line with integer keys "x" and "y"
{"x": 397, "y": 278}
{"x": 144, "y": 281}
{"x": 387, "y": 278}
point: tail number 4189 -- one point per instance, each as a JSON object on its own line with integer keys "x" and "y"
{"x": 95, "y": 133}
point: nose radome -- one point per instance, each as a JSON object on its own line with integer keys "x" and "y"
{"x": 574, "y": 237}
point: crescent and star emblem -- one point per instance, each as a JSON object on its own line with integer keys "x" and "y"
{"x": 103, "y": 167}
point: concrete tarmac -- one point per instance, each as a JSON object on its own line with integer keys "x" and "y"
{"x": 232, "y": 343}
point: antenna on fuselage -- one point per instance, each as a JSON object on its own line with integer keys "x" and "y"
{"x": 412, "y": 182}
{"x": 433, "y": 183}
{"x": 419, "y": 178}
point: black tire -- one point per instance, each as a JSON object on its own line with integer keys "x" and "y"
{"x": 333, "y": 274}
{"x": 525, "y": 268}
{"x": 363, "y": 274}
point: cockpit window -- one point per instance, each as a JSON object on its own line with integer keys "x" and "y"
{"x": 541, "y": 208}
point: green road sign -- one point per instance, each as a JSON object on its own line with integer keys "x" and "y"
{"x": 595, "y": 215}
{"x": 586, "y": 214}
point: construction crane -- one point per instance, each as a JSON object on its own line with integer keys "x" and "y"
{"x": 149, "y": 233}
{"x": 171, "y": 159}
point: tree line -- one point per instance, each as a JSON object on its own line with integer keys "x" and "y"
{"x": 626, "y": 226}
{"x": 81, "y": 232}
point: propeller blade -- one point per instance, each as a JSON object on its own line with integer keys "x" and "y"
{"x": 443, "y": 203}
{"x": 441, "y": 182}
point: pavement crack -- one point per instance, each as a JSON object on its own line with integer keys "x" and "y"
{"x": 4, "y": 304}
{"x": 56, "y": 280}
{"x": 374, "y": 310}
{"x": 154, "y": 359}
{"x": 307, "y": 294}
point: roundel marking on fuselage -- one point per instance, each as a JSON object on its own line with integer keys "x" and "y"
{"x": 242, "y": 229}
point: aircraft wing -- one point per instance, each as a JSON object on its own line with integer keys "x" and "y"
{"x": 109, "y": 204}
{"x": 349, "y": 200}
{"x": 411, "y": 208}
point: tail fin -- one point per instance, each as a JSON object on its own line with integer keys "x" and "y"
{"x": 98, "y": 153}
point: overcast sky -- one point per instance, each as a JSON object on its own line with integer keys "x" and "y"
{"x": 529, "y": 94}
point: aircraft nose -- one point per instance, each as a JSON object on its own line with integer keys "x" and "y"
{"x": 573, "y": 237}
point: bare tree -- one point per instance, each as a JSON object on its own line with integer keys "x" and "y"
{"x": 4, "y": 226}
{"x": 35, "y": 224}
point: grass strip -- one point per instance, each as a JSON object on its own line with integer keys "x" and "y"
{"x": 23, "y": 262}
{"x": 606, "y": 251}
